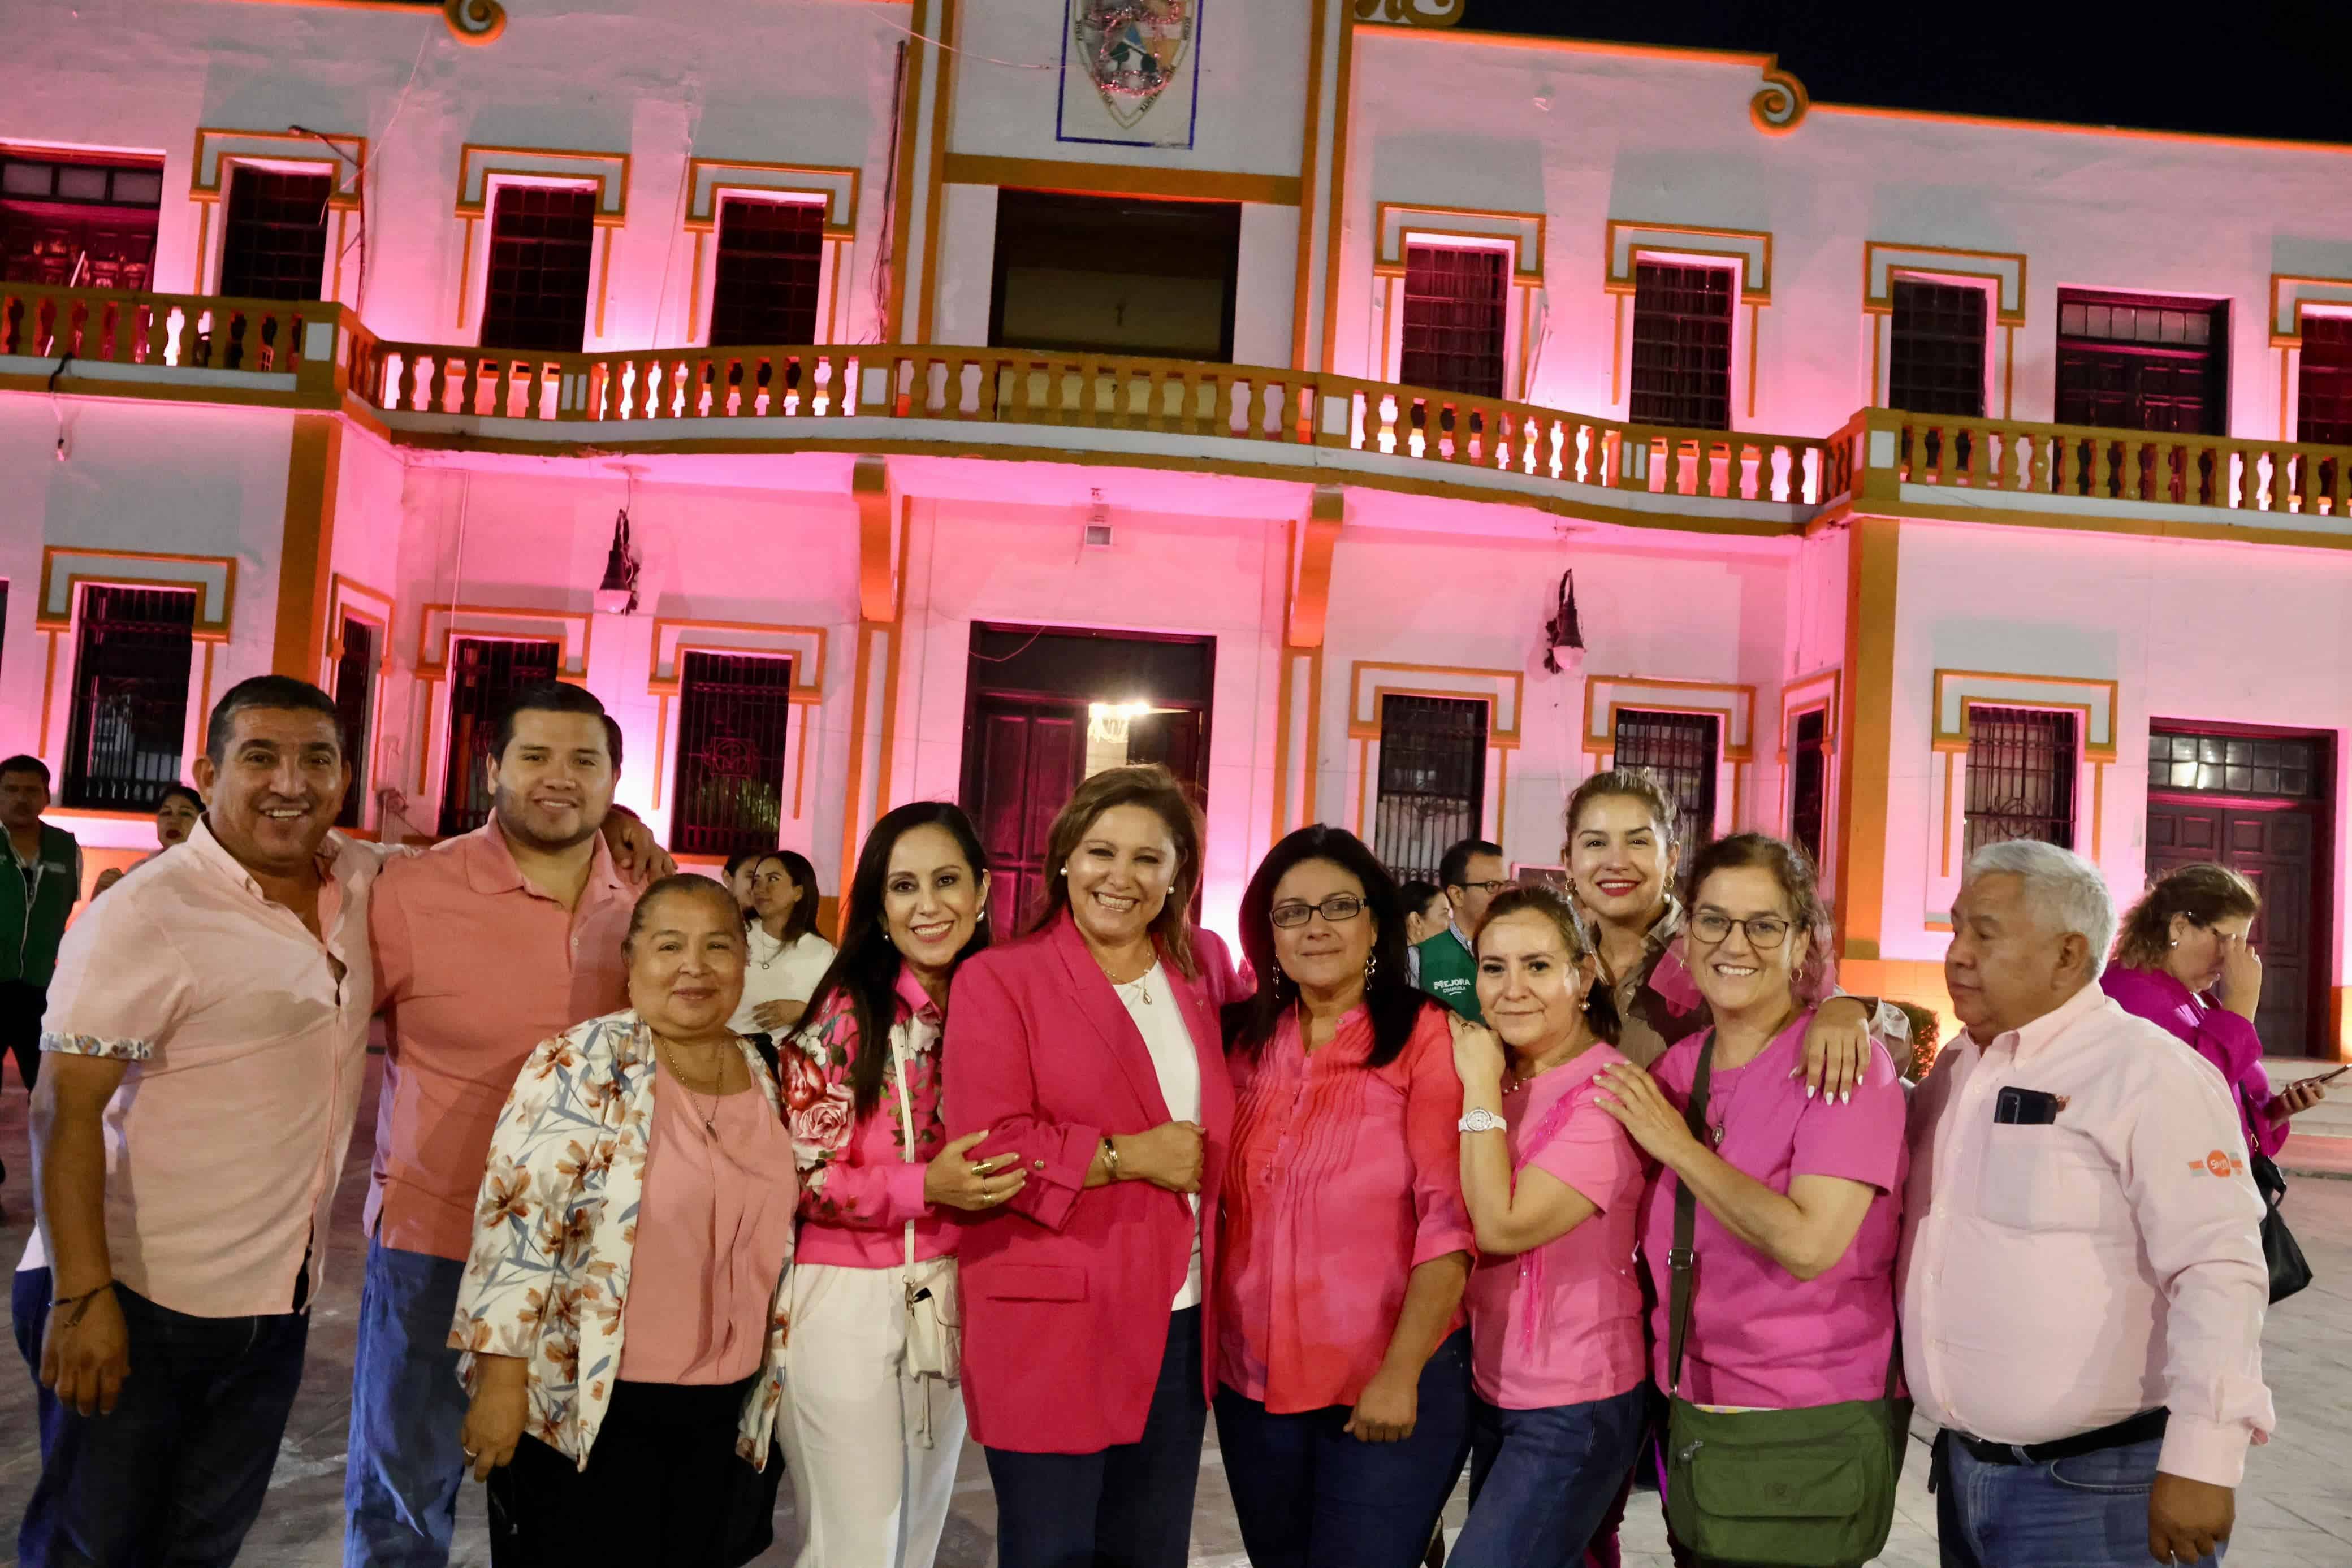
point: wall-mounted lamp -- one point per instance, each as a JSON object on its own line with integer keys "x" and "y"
{"x": 1564, "y": 633}
{"x": 617, "y": 594}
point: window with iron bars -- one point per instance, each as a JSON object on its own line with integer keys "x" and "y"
{"x": 770, "y": 262}
{"x": 355, "y": 671}
{"x": 1808, "y": 782}
{"x": 483, "y": 674}
{"x": 1679, "y": 751}
{"x": 1455, "y": 300}
{"x": 1936, "y": 363}
{"x": 732, "y": 712}
{"x": 274, "y": 239}
{"x": 126, "y": 737}
{"x": 542, "y": 238}
{"x": 1432, "y": 781}
{"x": 1682, "y": 345}
{"x": 2022, "y": 766}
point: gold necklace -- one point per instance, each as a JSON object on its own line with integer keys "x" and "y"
{"x": 1140, "y": 982}
{"x": 709, "y": 1119}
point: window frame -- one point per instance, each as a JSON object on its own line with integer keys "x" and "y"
{"x": 2066, "y": 775}
{"x": 70, "y": 782}
{"x": 2216, "y": 351}
{"x": 1987, "y": 299}
{"x": 676, "y": 741}
{"x": 1703, "y": 814}
{"x": 1394, "y": 293}
{"x": 1734, "y": 340}
{"x": 1474, "y": 757}
{"x": 215, "y": 263}
{"x": 591, "y": 307}
{"x": 2339, "y": 323}
{"x": 828, "y": 257}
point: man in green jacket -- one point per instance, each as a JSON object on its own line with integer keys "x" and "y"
{"x": 41, "y": 882}
{"x": 1472, "y": 872}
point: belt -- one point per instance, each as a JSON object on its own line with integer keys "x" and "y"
{"x": 2132, "y": 1430}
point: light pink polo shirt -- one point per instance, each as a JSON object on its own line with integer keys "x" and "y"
{"x": 475, "y": 966}
{"x": 246, "y": 1052}
{"x": 1562, "y": 1323}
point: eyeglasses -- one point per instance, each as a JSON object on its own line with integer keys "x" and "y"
{"x": 1489, "y": 888}
{"x": 1338, "y": 907}
{"x": 1765, "y": 932}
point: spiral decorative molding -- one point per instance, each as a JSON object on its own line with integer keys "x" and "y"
{"x": 1412, "y": 13}
{"x": 474, "y": 21}
{"x": 1780, "y": 106}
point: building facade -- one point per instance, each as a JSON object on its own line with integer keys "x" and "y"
{"x": 994, "y": 389}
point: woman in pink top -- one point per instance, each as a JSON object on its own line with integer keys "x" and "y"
{"x": 872, "y": 1434}
{"x": 2183, "y": 951}
{"x": 1343, "y": 1368}
{"x": 1799, "y": 1202}
{"x": 1555, "y": 1307}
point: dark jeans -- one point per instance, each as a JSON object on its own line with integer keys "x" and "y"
{"x": 1125, "y": 1507}
{"x": 405, "y": 1464}
{"x": 175, "y": 1476}
{"x": 2089, "y": 1511}
{"x": 1306, "y": 1495}
{"x": 1543, "y": 1481}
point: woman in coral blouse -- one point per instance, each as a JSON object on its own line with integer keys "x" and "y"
{"x": 872, "y": 1430}
{"x": 1343, "y": 1367}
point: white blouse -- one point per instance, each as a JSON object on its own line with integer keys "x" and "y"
{"x": 1176, "y": 1062}
{"x": 779, "y": 972}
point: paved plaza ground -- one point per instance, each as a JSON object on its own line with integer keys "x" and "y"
{"x": 2295, "y": 1511}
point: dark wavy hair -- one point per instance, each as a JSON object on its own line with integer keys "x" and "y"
{"x": 1389, "y": 992}
{"x": 803, "y": 919}
{"x": 866, "y": 969}
{"x": 1600, "y": 1000}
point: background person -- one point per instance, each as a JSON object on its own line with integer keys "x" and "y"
{"x": 1343, "y": 1366}
{"x": 787, "y": 958}
{"x": 39, "y": 885}
{"x": 176, "y": 811}
{"x": 1472, "y": 872}
{"x": 738, "y": 878}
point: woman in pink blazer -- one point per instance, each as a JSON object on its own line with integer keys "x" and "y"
{"x": 1091, "y": 1050}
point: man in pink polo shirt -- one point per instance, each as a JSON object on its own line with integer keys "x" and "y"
{"x": 484, "y": 946}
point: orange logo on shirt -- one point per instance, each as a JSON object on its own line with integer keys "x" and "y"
{"x": 2220, "y": 1163}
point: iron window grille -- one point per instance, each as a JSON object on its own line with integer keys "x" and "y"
{"x": 128, "y": 728}
{"x": 542, "y": 238}
{"x": 2275, "y": 767}
{"x": 1432, "y": 781}
{"x": 1808, "y": 782}
{"x": 1937, "y": 364}
{"x": 483, "y": 674}
{"x": 1679, "y": 751}
{"x": 1682, "y": 345}
{"x": 2021, "y": 767}
{"x": 274, "y": 239}
{"x": 770, "y": 262}
{"x": 355, "y": 671}
{"x": 733, "y": 712}
{"x": 1456, "y": 306}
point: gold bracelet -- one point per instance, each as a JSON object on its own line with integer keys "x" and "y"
{"x": 1110, "y": 1159}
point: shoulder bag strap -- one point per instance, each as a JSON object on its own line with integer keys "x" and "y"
{"x": 905, "y": 1120}
{"x": 1682, "y": 1261}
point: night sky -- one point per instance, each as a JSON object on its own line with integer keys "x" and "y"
{"x": 2249, "y": 67}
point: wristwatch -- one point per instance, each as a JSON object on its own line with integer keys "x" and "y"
{"x": 1481, "y": 1121}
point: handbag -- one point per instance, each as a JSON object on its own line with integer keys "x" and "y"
{"x": 1775, "y": 1489}
{"x": 2284, "y": 1256}
{"x": 934, "y": 1299}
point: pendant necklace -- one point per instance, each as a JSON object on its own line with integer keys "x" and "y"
{"x": 709, "y": 1119}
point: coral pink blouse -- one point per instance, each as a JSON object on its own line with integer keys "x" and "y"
{"x": 1343, "y": 1179}
{"x": 714, "y": 1223}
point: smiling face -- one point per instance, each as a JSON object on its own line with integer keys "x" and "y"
{"x": 276, "y": 789}
{"x": 774, "y": 893}
{"x": 685, "y": 963}
{"x": 176, "y": 819}
{"x": 1530, "y": 987}
{"x": 1119, "y": 875}
{"x": 1321, "y": 955}
{"x": 1736, "y": 973}
{"x": 1619, "y": 862}
{"x": 553, "y": 783}
{"x": 931, "y": 900}
{"x": 2196, "y": 951}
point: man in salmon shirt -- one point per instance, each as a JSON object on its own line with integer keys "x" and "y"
{"x": 485, "y": 945}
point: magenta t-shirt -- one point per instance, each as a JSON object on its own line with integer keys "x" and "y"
{"x": 1760, "y": 1337}
{"x": 1561, "y": 1325}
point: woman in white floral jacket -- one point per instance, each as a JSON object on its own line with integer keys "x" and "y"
{"x": 623, "y": 1307}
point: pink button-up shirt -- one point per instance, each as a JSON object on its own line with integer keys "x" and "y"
{"x": 246, "y": 1049}
{"x": 474, "y": 967}
{"x": 1344, "y": 1178}
{"x": 2216, "y": 1034}
{"x": 858, "y": 1188}
{"x": 2059, "y": 1278}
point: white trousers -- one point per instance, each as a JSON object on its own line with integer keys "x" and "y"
{"x": 870, "y": 1494}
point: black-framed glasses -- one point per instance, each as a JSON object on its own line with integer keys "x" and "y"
{"x": 1765, "y": 932}
{"x": 1338, "y": 908}
{"x": 1488, "y": 888}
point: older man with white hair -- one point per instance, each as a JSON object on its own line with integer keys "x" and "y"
{"x": 2083, "y": 1291}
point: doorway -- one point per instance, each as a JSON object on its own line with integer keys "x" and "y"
{"x": 2256, "y": 801}
{"x": 1047, "y": 707}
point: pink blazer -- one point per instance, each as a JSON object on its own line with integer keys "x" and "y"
{"x": 1067, "y": 1291}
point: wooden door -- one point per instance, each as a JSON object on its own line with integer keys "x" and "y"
{"x": 1023, "y": 759}
{"x": 2273, "y": 847}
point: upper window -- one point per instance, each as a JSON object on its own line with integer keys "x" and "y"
{"x": 1808, "y": 780}
{"x": 1432, "y": 786}
{"x": 1682, "y": 345}
{"x": 542, "y": 238}
{"x": 130, "y": 721}
{"x": 2282, "y": 767}
{"x": 2022, "y": 766}
{"x": 87, "y": 224}
{"x": 771, "y": 264}
{"x": 2139, "y": 362}
{"x": 2324, "y": 406}
{"x": 731, "y": 714}
{"x": 1679, "y": 751}
{"x": 1937, "y": 365}
{"x": 355, "y": 671}
{"x": 1455, "y": 301}
{"x": 1114, "y": 275}
{"x": 274, "y": 240}
{"x": 483, "y": 674}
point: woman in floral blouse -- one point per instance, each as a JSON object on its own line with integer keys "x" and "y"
{"x": 875, "y": 1422}
{"x": 622, "y": 1307}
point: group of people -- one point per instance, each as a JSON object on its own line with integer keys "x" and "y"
{"x": 671, "y": 1195}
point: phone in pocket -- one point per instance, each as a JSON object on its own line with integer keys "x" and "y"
{"x": 2024, "y": 1107}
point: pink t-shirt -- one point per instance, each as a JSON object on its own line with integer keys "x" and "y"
{"x": 714, "y": 1222}
{"x": 1760, "y": 1337}
{"x": 1561, "y": 1325}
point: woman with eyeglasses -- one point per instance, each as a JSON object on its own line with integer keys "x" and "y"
{"x": 1799, "y": 1203}
{"x": 1343, "y": 1366}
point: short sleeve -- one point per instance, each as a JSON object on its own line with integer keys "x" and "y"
{"x": 388, "y": 941}
{"x": 1592, "y": 1154}
{"x": 1861, "y": 1140}
{"x": 120, "y": 986}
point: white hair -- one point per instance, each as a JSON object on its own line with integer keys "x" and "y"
{"x": 2060, "y": 886}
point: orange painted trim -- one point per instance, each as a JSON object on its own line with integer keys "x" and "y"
{"x": 1527, "y": 244}
{"x": 1755, "y": 271}
{"x": 800, "y": 773}
{"x": 1754, "y": 332}
{"x": 205, "y": 630}
{"x": 2286, "y": 428}
{"x": 1310, "y": 605}
{"x": 204, "y": 691}
{"x": 603, "y": 281}
{"x": 853, "y": 806}
{"x": 466, "y": 275}
{"x": 661, "y": 744}
{"x": 1356, "y": 795}
{"x": 1951, "y": 782}
{"x": 1335, "y": 224}
{"x": 1880, "y": 304}
{"x": 1503, "y": 793}
{"x": 942, "y": 112}
{"x": 1120, "y": 180}
{"x": 2098, "y": 810}
{"x": 808, "y": 673}
{"x": 878, "y": 592}
{"x": 1300, "y": 306}
{"x": 1617, "y": 356}
{"x": 1958, "y": 741}
{"x": 694, "y": 326}
{"x": 600, "y": 170}
{"x": 1288, "y": 665}
{"x": 2123, "y": 132}
{"x": 1311, "y": 764}
{"x": 204, "y": 245}
{"x": 306, "y": 552}
{"x": 902, "y": 198}
{"x": 1563, "y": 46}
{"x": 1881, "y": 372}
{"x": 1874, "y": 563}
{"x": 49, "y": 693}
{"x": 2008, "y": 373}
{"x": 882, "y": 764}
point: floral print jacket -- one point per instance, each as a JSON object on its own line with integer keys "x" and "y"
{"x": 556, "y": 1225}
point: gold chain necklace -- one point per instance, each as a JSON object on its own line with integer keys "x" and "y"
{"x": 709, "y": 1119}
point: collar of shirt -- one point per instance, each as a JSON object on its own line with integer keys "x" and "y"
{"x": 333, "y": 864}
{"x": 490, "y": 865}
{"x": 1655, "y": 941}
{"x": 2041, "y": 1033}
{"x": 1456, "y": 927}
{"x": 917, "y": 1001}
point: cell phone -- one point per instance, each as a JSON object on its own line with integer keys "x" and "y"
{"x": 2024, "y": 1108}
{"x": 2324, "y": 1077}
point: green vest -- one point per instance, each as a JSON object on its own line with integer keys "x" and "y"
{"x": 1450, "y": 974}
{"x": 32, "y": 921}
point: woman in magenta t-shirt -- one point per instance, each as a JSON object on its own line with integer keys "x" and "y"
{"x": 1553, "y": 1186}
{"x": 1800, "y": 1206}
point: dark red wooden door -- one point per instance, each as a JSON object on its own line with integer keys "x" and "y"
{"x": 2274, "y": 849}
{"x": 1025, "y": 759}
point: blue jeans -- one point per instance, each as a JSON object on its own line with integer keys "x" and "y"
{"x": 1541, "y": 1481}
{"x": 1129, "y": 1506}
{"x": 2090, "y": 1512}
{"x": 407, "y": 1462}
{"x": 176, "y": 1475}
{"x": 1307, "y": 1494}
